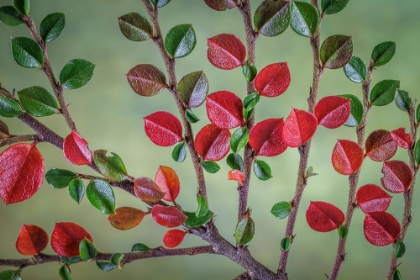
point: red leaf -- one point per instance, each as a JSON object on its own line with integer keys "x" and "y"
{"x": 126, "y": 218}
{"x": 212, "y": 142}
{"x": 347, "y": 157}
{"x": 163, "y": 128}
{"x": 173, "y": 237}
{"x": 226, "y": 51}
{"x": 146, "y": 79}
{"x": 381, "y": 228}
{"x": 21, "y": 172}
{"x": 372, "y": 198}
{"x": 380, "y": 146}
{"x": 221, "y": 5}
{"x": 273, "y": 80}
{"x": 299, "y": 127}
{"x": 66, "y": 237}
{"x": 76, "y": 150}
{"x": 168, "y": 182}
{"x": 266, "y": 137}
{"x": 147, "y": 190}
{"x": 332, "y": 111}
{"x": 224, "y": 109}
{"x": 168, "y": 216}
{"x": 323, "y": 217}
{"x": 32, "y": 240}
{"x": 236, "y": 175}
{"x": 398, "y": 176}
{"x": 404, "y": 140}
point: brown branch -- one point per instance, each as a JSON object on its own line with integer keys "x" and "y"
{"x": 19, "y": 138}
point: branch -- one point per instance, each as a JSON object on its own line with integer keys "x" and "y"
{"x": 19, "y": 138}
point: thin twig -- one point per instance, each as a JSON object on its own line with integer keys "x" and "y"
{"x": 18, "y": 139}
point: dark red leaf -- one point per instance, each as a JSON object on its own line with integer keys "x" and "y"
{"x": 332, "y": 111}
{"x": 168, "y": 182}
{"x": 273, "y": 80}
{"x": 236, "y": 175}
{"x": 299, "y": 127}
{"x": 266, "y": 137}
{"x": 372, "y": 198}
{"x": 126, "y": 218}
{"x": 347, "y": 157}
{"x": 32, "y": 240}
{"x": 380, "y": 146}
{"x": 323, "y": 217}
{"x": 21, "y": 172}
{"x": 226, "y": 51}
{"x": 146, "y": 79}
{"x": 221, "y": 5}
{"x": 224, "y": 109}
{"x": 404, "y": 140}
{"x": 66, "y": 237}
{"x": 173, "y": 238}
{"x": 398, "y": 176}
{"x": 147, "y": 190}
{"x": 381, "y": 228}
{"x": 212, "y": 142}
{"x": 168, "y": 216}
{"x": 163, "y": 128}
{"x": 76, "y": 150}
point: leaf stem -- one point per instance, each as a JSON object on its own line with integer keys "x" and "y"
{"x": 19, "y": 138}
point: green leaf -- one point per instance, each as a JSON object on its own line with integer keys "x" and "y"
{"x": 101, "y": 196}
{"x": 333, "y": 6}
{"x": 399, "y": 249}
{"x": 250, "y": 71}
{"x": 105, "y": 266}
{"x": 239, "y": 139}
{"x": 194, "y": 221}
{"x": 248, "y": 114}
{"x": 383, "y": 92}
{"x": 356, "y": 110}
{"x": 59, "y": 178}
{"x": 179, "y": 153}
{"x": 180, "y": 40}
{"x": 9, "y": 16}
{"x": 64, "y": 272}
{"x": 343, "y": 231}
{"x": 383, "y": 53}
{"x": 117, "y": 258}
{"x": 235, "y": 161}
{"x": 191, "y": 117}
{"x": 304, "y": 18}
{"x": 9, "y": 108}
{"x": 245, "y": 230}
{"x": 285, "y": 243}
{"x": 51, "y": 26}
{"x": 202, "y": 207}
{"x": 281, "y": 209}
{"x": 112, "y": 167}
{"x": 336, "y": 51}
{"x": 250, "y": 101}
{"x": 418, "y": 114}
{"x": 159, "y": 3}
{"x": 22, "y": 6}
{"x": 4, "y": 130}
{"x": 70, "y": 260}
{"x": 87, "y": 250}
{"x": 193, "y": 89}
{"x": 310, "y": 172}
{"x": 10, "y": 275}
{"x": 272, "y": 17}
{"x": 37, "y": 101}
{"x": 27, "y": 53}
{"x": 397, "y": 275}
{"x": 139, "y": 247}
{"x": 76, "y": 190}
{"x": 135, "y": 27}
{"x": 262, "y": 170}
{"x": 403, "y": 100}
{"x": 355, "y": 70}
{"x": 416, "y": 152}
{"x": 76, "y": 73}
{"x": 210, "y": 166}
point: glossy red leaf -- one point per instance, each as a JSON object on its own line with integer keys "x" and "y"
{"x": 163, "y": 128}
{"x": 323, "y": 217}
{"x": 380, "y": 146}
{"x": 372, "y": 198}
{"x": 21, "y": 172}
{"x": 168, "y": 216}
{"x": 168, "y": 181}
{"x": 173, "y": 237}
{"x": 212, "y": 142}
{"x": 299, "y": 127}
{"x": 221, "y": 5}
{"x": 398, "y": 176}
{"x": 31, "y": 240}
{"x": 266, "y": 137}
{"x": 381, "y": 228}
{"x": 76, "y": 150}
{"x": 404, "y": 140}
{"x": 226, "y": 51}
{"x": 347, "y": 157}
{"x": 66, "y": 237}
{"x": 146, "y": 79}
{"x": 147, "y": 190}
{"x": 224, "y": 109}
{"x": 273, "y": 80}
{"x": 332, "y": 111}
{"x": 236, "y": 175}
{"x": 126, "y": 218}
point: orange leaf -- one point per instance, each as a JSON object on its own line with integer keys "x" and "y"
{"x": 237, "y": 176}
{"x": 126, "y": 218}
{"x": 168, "y": 182}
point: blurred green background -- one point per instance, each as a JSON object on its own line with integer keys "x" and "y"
{"x": 109, "y": 115}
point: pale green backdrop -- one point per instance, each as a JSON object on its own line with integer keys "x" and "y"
{"x": 109, "y": 115}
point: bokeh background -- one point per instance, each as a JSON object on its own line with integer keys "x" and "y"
{"x": 109, "y": 115}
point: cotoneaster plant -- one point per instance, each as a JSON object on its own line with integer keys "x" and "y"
{"x": 232, "y": 135}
